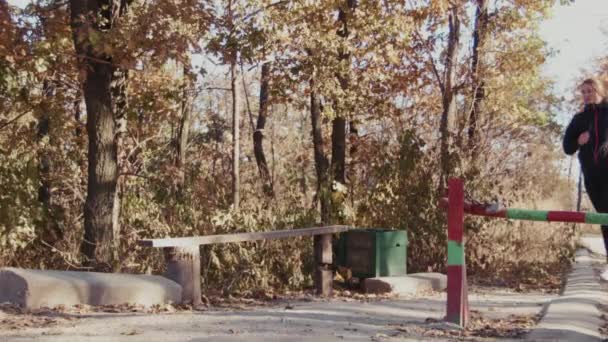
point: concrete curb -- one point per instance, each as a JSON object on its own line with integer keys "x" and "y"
{"x": 407, "y": 285}
{"x": 574, "y": 315}
{"x": 44, "y": 288}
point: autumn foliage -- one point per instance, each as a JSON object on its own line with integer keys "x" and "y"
{"x": 397, "y": 93}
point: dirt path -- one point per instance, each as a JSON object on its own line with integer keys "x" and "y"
{"x": 304, "y": 319}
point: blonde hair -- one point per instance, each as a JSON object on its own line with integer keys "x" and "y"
{"x": 597, "y": 85}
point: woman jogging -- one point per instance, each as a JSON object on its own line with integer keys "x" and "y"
{"x": 588, "y": 133}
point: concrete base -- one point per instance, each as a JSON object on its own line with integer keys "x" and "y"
{"x": 38, "y": 288}
{"x": 574, "y": 316}
{"x": 410, "y": 284}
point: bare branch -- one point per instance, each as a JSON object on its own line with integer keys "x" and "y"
{"x": 246, "y": 17}
{"x": 218, "y": 88}
{"x": 11, "y": 121}
{"x": 432, "y": 60}
{"x": 247, "y": 99}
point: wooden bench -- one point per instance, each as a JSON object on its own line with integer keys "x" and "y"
{"x": 184, "y": 263}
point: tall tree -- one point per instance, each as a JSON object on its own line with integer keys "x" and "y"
{"x": 338, "y": 132}
{"x": 258, "y": 134}
{"x": 477, "y": 82}
{"x": 91, "y": 19}
{"x": 227, "y": 44}
{"x": 183, "y": 129}
{"x": 119, "y": 84}
{"x": 338, "y": 135}
{"x": 321, "y": 162}
{"x": 448, "y": 90}
{"x": 340, "y": 58}
{"x": 51, "y": 231}
{"x": 236, "y": 133}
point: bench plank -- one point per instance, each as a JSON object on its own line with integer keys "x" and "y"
{"x": 240, "y": 237}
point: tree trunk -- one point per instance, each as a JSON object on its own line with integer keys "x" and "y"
{"x": 338, "y": 134}
{"x": 44, "y": 195}
{"x": 321, "y": 163}
{"x": 97, "y": 67}
{"x": 449, "y": 94}
{"x": 258, "y": 135}
{"x": 338, "y": 150}
{"x": 478, "y": 91}
{"x": 77, "y": 117}
{"x": 181, "y": 138}
{"x": 103, "y": 166}
{"x": 119, "y": 102}
{"x": 235, "y": 134}
{"x": 51, "y": 232}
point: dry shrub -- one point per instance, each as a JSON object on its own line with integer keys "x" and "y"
{"x": 404, "y": 195}
{"x": 520, "y": 254}
{"x": 523, "y": 253}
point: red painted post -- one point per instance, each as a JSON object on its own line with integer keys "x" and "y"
{"x": 457, "y": 304}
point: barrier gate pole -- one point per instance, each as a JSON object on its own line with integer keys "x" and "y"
{"x": 457, "y": 304}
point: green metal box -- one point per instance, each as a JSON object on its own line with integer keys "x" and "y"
{"x": 372, "y": 253}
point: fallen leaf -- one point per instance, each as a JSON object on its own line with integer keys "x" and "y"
{"x": 131, "y": 332}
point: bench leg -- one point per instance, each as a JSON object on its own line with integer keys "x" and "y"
{"x": 323, "y": 275}
{"x": 184, "y": 267}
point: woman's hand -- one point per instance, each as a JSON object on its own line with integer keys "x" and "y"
{"x": 583, "y": 138}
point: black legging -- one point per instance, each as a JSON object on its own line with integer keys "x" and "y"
{"x": 597, "y": 189}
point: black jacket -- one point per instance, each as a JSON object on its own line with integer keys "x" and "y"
{"x": 593, "y": 119}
